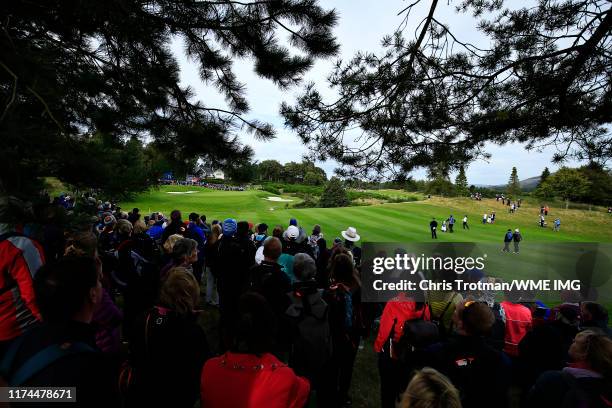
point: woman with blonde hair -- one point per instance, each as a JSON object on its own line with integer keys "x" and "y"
{"x": 171, "y": 347}
{"x": 430, "y": 389}
{"x": 169, "y": 244}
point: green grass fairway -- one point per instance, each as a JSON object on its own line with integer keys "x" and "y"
{"x": 402, "y": 222}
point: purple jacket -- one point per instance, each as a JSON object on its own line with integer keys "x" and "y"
{"x": 107, "y": 319}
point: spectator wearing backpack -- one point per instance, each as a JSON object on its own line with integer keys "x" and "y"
{"x": 442, "y": 304}
{"x": 518, "y": 322}
{"x": 170, "y": 347}
{"x": 62, "y": 351}
{"x": 346, "y": 321}
{"x": 20, "y": 259}
{"x": 248, "y": 374}
{"x": 480, "y": 373}
{"x": 516, "y": 238}
{"x": 394, "y": 372}
{"x": 236, "y": 256}
{"x": 269, "y": 280}
{"x": 311, "y": 341}
{"x": 507, "y": 240}
{"x": 585, "y": 382}
{"x": 262, "y": 234}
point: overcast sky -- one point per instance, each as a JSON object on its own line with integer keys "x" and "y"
{"x": 361, "y": 26}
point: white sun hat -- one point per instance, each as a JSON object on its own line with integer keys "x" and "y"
{"x": 351, "y": 234}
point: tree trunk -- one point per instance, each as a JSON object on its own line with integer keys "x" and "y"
{"x": 567, "y": 203}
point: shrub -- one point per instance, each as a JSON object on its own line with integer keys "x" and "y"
{"x": 334, "y": 194}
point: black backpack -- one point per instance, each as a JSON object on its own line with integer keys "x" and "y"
{"x": 417, "y": 334}
{"x": 439, "y": 320}
{"x": 311, "y": 348}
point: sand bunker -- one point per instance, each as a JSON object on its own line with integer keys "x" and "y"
{"x": 277, "y": 199}
{"x": 181, "y": 192}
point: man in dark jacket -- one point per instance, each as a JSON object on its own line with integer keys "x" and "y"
{"x": 479, "y": 372}
{"x": 195, "y": 232}
{"x": 63, "y": 349}
{"x": 236, "y": 256}
{"x": 268, "y": 279}
{"x": 433, "y": 225}
{"x": 175, "y": 226}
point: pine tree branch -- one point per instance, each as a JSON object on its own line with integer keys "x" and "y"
{"x": 12, "y": 99}
{"x": 47, "y": 110}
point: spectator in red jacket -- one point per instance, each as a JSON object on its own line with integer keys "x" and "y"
{"x": 518, "y": 322}
{"x": 248, "y": 375}
{"x": 20, "y": 259}
{"x": 394, "y": 375}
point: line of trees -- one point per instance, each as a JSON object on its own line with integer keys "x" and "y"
{"x": 591, "y": 184}
{"x": 304, "y": 173}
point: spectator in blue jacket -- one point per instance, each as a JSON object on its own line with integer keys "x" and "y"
{"x": 507, "y": 240}
{"x": 195, "y": 232}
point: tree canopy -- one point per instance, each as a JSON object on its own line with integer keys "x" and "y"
{"x": 566, "y": 183}
{"x": 540, "y": 77}
{"x": 73, "y": 70}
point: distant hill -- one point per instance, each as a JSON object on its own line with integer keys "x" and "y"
{"x": 529, "y": 184}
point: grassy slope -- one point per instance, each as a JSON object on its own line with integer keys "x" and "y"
{"x": 386, "y": 222}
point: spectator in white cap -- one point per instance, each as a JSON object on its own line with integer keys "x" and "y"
{"x": 516, "y": 237}
{"x": 351, "y": 236}
{"x": 292, "y": 245}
